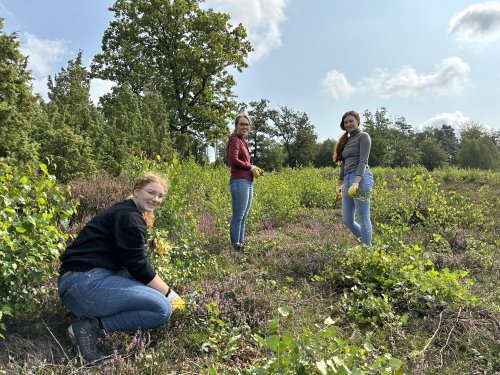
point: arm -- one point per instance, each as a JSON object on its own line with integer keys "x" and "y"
{"x": 160, "y": 285}
{"x": 365, "y": 144}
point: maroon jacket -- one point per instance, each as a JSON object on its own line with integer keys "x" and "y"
{"x": 238, "y": 157}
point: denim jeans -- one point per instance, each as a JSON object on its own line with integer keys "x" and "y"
{"x": 359, "y": 206}
{"x": 241, "y": 199}
{"x": 121, "y": 302}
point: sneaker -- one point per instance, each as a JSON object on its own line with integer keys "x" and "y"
{"x": 84, "y": 334}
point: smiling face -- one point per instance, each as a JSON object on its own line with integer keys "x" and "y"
{"x": 350, "y": 123}
{"x": 149, "y": 197}
{"x": 243, "y": 127}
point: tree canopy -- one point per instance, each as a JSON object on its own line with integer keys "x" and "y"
{"x": 181, "y": 51}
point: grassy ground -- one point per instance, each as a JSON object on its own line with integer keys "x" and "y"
{"x": 279, "y": 268}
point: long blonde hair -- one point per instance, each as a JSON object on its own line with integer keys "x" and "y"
{"x": 142, "y": 181}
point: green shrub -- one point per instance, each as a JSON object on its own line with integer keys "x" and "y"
{"x": 34, "y": 213}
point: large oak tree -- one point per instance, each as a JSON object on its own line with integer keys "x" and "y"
{"x": 182, "y": 51}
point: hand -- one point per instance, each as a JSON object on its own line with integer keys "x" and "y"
{"x": 353, "y": 190}
{"x": 339, "y": 192}
{"x": 256, "y": 171}
{"x": 176, "y": 301}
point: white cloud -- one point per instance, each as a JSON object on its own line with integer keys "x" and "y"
{"x": 42, "y": 53}
{"x": 449, "y": 78}
{"x": 336, "y": 84}
{"x": 99, "y": 87}
{"x": 478, "y": 25}
{"x": 261, "y": 19}
{"x": 455, "y": 119}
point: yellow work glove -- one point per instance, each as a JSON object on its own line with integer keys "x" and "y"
{"x": 353, "y": 190}
{"x": 339, "y": 192}
{"x": 175, "y": 300}
{"x": 256, "y": 171}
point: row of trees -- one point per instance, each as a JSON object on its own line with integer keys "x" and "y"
{"x": 171, "y": 63}
{"x": 284, "y": 137}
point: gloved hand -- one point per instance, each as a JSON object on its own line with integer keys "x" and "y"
{"x": 353, "y": 190}
{"x": 175, "y": 300}
{"x": 256, "y": 171}
{"x": 339, "y": 191}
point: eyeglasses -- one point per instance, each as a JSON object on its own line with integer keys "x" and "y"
{"x": 243, "y": 125}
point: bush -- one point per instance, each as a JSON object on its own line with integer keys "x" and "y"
{"x": 34, "y": 213}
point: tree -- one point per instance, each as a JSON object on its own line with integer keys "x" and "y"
{"x": 324, "y": 156}
{"x": 377, "y": 127}
{"x": 476, "y": 148}
{"x": 447, "y": 138}
{"x": 260, "y": 135}
{"x": 272, "y": 156}
{"x": 123, "y": 121}
{"x": 18, "y": 105}
{"x": 181, "y": 51}
{"x": 74, "y": 138}
{"x": 432, "y": 154}
{"x": 296, "y": 134}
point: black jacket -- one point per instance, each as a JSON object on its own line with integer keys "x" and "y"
{"x": 114, "y": 239}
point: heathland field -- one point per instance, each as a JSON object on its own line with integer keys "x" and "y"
{"x": 304, "y": 298}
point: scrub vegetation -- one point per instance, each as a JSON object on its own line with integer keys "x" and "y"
{"x": 304, "y": 297}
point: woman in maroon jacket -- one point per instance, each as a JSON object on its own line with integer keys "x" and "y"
{"x": 241, "y": 182}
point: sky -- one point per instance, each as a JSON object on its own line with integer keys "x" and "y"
{"x": 432, "y": 62}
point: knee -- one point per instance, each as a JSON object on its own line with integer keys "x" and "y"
{"x": 165, "y": 312}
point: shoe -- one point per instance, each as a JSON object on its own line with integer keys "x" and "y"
{"x": 84, "y": 334}
{"x": 237, "y": 247}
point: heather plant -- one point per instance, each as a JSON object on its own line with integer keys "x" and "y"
{"x": 34, "y": 213}
{"x": 95, "y": 194}
{"x": 240, "y": 300}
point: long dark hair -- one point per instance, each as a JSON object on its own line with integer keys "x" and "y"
{"x": 337, "y": 154}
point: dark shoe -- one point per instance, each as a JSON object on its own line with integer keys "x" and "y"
{"x": 84, "y": 334}
{"x": 237, "y": 247}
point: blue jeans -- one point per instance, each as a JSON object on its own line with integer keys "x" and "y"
{"x": 241, "y": 199}
{"x": 359, "y": 206}
{"x": 121, "y": 302}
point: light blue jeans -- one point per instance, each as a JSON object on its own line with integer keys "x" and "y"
{"x": 121, "y": 302}
{"x": 359, "y": 206}
{"x": 241, "y": 199}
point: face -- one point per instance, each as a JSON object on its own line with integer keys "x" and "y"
{"x": 243, "y": 127}
{"x": 350, "y": 123}
{"x": 149, "y": 197}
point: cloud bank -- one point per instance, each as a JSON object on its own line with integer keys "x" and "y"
{"x": 455, "y": 119}
{"x": 478, "y": 25}
{"x": 449, "y": 78}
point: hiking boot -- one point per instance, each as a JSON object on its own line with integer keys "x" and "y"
{"x": 84, "y": 334}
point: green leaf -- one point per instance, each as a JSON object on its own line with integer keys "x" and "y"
{"x": 284, "y": 310}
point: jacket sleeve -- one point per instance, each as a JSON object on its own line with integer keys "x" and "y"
{"x": 365, "y": 144}
{"x": 233, "y": 151}
{"x": 130, "y": 238}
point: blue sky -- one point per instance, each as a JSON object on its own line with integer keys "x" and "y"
{"x": 432, "y": 62}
